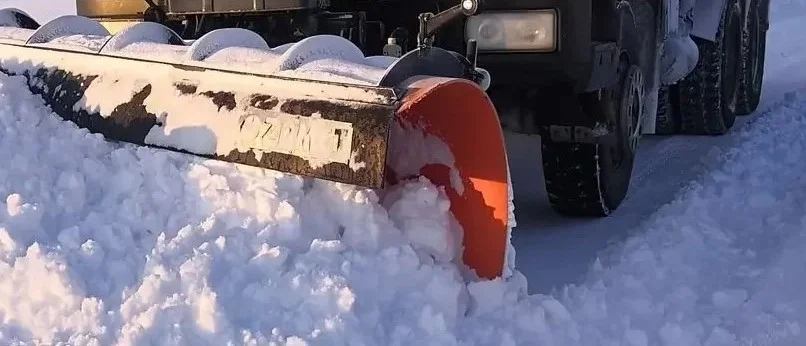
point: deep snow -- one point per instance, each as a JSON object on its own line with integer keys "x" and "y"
{"x": 702, "y": 269}
{"x": 103, "y": 243}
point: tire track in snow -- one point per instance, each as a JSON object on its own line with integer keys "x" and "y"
{"x": 699, "y": 271}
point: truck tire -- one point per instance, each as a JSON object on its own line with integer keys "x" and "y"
{"x": 709, "y": 94}
{"x": 754, "y": 48}
{"x": 592, "y": 179}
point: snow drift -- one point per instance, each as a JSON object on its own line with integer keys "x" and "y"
{"x": 116, "y": 244}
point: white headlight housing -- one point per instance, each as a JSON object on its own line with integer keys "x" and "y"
{"x": 532, "y": 31}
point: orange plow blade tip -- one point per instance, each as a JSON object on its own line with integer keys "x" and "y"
{"x": 460, "y": 147}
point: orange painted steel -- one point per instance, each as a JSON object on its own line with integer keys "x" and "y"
{"x": 460, "y": 114}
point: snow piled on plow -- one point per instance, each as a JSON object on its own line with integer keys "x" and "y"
{"x": 105, "y": 244}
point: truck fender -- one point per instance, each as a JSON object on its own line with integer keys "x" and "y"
{"x": 707, "y": 15}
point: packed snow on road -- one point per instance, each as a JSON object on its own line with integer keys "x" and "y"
{"x": 111, "y": 244}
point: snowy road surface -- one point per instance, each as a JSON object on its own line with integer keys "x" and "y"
{"x": 554, "y": 251}
{"x": 104, "y": 244}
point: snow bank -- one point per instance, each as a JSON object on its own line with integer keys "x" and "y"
{"x": 107, "y": 244}
{"x": 704, "y": 269}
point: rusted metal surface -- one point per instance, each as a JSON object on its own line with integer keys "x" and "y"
{"x": 113, "y": 8}
{"x": 131, "y": 121}
{"x": 116, "y": 9}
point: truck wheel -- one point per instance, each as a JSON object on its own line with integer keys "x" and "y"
{"x": 709, "y": 95}
{"x": 591, "y": 179}
{"x": 755, "y": 45}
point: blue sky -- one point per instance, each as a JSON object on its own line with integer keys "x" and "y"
{"x": 42, "y": 10}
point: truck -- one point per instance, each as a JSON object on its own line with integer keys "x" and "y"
{"x": 378, "y": 92}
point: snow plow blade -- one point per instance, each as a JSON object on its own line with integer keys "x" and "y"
{"x": 316, "y": 108}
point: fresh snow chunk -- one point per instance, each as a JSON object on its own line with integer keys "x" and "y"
{"x": 729, "y": 299}
{"x": 13, "y": 204}
{"x": 268, "y": 256}
{"x": 720, "y": 337}
{"x": 7, "y": 243}
{"x": 70, "y": 237}
{"x": 487, "y": 296}
{"x": 422, "y": 212}
{"x": 633, "y": 337}
{"x": 672, "y": 334}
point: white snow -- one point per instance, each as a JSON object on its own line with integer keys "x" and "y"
{"x": 322, "y": 57}
{"x": 86, "y": 43}
{"x": 192, "y": 122}
{"x": 108, "y": 244}
{"x": 152, "y": 51}
{"x": 142, "y": 32}
{"x": 224, "y": 38}
{"x": 688, "y": 278}
{"x": 415, "y": 148}
{"x": 142, "y": 246}
{"x": 15, "y": 35}
{"x": 68, "y": 25}
{"x": 337, "y": 70}
{"x": 108, "y": 92}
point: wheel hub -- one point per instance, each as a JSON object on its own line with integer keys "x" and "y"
{"x": 629, "y": 114}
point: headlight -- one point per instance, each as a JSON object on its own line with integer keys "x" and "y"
{"x": 514, "y": 31}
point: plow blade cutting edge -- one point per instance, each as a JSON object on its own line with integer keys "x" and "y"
{"x": 367, "y": 121}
